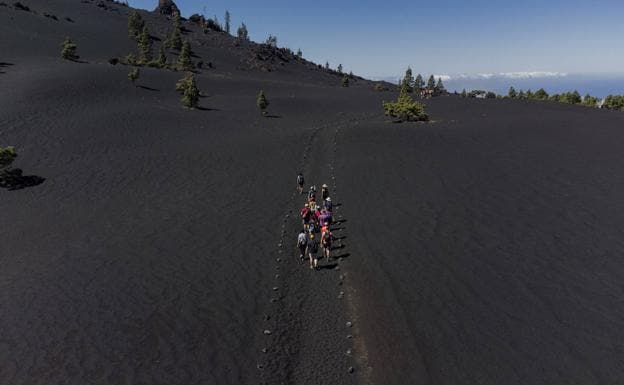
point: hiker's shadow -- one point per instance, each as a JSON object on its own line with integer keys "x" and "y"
{"x": 329, "y": 266}
{"x": 15, "y": 180}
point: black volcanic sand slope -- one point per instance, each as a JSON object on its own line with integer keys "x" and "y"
{"x": 147, "y": 255}
{"x": 488, "y": 244}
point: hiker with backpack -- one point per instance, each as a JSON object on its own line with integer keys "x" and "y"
{"x": 324, "y": 192}
{"x": 305, "y": 214}
{"x": 326, "y": 243}
{"x": 300, "y": 182}
{"x": 312, "y": 249}
{"x": 312, "y": 194}
{"x": 302, "y": 243}
{"x": 328, "y": 204}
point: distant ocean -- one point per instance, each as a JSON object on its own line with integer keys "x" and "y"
{"x": 595, "y": 85}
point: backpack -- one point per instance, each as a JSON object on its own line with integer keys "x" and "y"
{"x": 302, "y": 241}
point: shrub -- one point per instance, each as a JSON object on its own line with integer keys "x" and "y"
{"x": 490, "y": 95}
{"x": 184, "y": 60}
{"x": 134, "y": 75}
{"x": 131, "y": 59}
{"x": 262, "y": 102}
{"x": 380, "y": 87}
{"x": 614, "y": 102}
{"x": 7, "y": 156}
{"x": 190, "y": 98}
{"x": 162, "y": 58}
{"x": 242, "y": 32}
{"x": 590, "y": 101}
{"x": 512, "y": 94}
{"x": 405, "y": 109}
{"x": 271, "y": 41}
{"x": 145, "y": 46}
{"x": 540, "y": 94}
{"x": 135, "y": 24}
{"x": 345, "y": 81}
{"x": 69, "y": 50}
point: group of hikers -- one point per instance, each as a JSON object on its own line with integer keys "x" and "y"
{"x": 316, "y": 217}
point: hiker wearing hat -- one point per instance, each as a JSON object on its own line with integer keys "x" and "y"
{"x": 305, "y": 213}
{"x": 302, "y": 243}
{"x": 312, "y": 194}
{"x": 300, "y": 182}
{"x": 324, "y": 192}
{"x": 312, "y": 249}
{"x": 328, "y": 204}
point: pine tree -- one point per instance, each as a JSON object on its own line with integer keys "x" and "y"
{"x": 439, "y": 88}
{"x": 227, "y": 22}
{"x": 339, "y": 68}
{"x": 431, "y": 83}
{"x": 162, "y": 58}
{"x": 345, "y": 81}
{"x": 69, "y": 50}
{"x": 463, "y": 93}
{"x": 529, "y": 94}
{"x": 134, "y": 75}
{"x": 512, "y": 94}
{"x": 145, "y": 46}
{"x": 262, "y": 102}
{"x": 408, "y": 80}
{"x": 135, "y": 24}
{"x": 326, "y": 65}
{"x": 175, "y": 39}
{"x": 190, "y": 98}
{"x": 521, "y": 95}
{"x": 271, "y": 41}
{"x": 242, "y": 32}
{"x": 351, "y": 76}
{"x": 184, "y": 60}
{"x": 299, "y": 53}
{"x": 419, "y": 83}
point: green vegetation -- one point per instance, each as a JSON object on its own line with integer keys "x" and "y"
{"x": 326, "y": 65}
{"x": 187, "y": 86}
{"x": 405, "y": 109}
{"x": 379, "y": 87}
{"x": 345, "y": 81}
{"x": 69, "y": 50}
{"x": 463, "y": 93}
{"x": 262, "y": 102}
{"x": 135, "y": 24}
{"x": 512, "y": 94}
{"x": 134, "y": 75}
{"x": 408, "y": 80}
{"x": 339, "y": 69}
{"x": 175, "y": 39}
{"x": 431, "y": 83}
{"x": 184, "y": 60}
{"x": 7, "y": 156}
{"x": 242, "y": 32}
{"x": 271, "y": 41}
{"x": 227, "y": 22}
{"x": 439, "y": 87}
{"x": 590, "y": 101}
{"x": 614, "y": 102}
{"x": 162, "y": 58}
{"x": 145, "y": 46}
{"x": 419, "y": 83}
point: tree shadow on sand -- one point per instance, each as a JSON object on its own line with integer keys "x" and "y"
{"x": 14, "y": 180}
{"x": 149, "y": 88}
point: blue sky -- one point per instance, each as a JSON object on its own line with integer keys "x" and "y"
{"x": 381, "y": 38}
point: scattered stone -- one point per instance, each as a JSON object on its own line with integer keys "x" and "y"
{"x": 275, "y": 288}
{"x": 267, "y": 332}
{"x": 279, "y": 259}
{"x": 348, "y": 352}
{"x": 349, "y": 336}
{"x": 276, "y": 275}
{"x": 264, "y": 350}
{"x": 267, "y": 317}
{"x": 351, "y": 369}
{"x": 349, "y": 324}
{"x": 273, "y": 300}
{"x": 260, "y": 366}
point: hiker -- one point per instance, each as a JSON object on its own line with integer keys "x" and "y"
{"x": 325, "y": 217}
{"x": 302, "y": 243}
{"x": 305, "y": 213}
{"x": 300, "y": 182}
{"x": 324, "y": 192}
{"x": 325, "y": 228}
{"x": 328, "y": 204}
{"x": 313, "y": 206}
{"x": 326, "y": 242}
{"x": 311, "y": 225}
{"x": 317, "y": 216}
{"x": 312, "y": 249}
{"x": 312, "y": 194}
